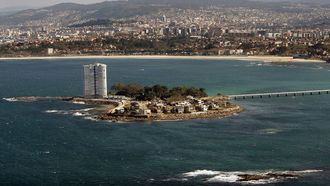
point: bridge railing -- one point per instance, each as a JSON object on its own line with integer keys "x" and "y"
{"x": 279, "y": 94}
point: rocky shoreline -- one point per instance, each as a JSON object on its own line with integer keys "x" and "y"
{"x": 104, "y": 108}
{"x": 256, "y": 177}
{"x": 268, "y": 176}
{"x": 175, "y": 117}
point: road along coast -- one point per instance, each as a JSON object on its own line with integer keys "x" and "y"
{"x": 267, "y": 59}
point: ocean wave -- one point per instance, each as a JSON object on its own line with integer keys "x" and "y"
{"x": 91, "y": 118}
{"x": 43, "y": 152}
{"x": 200, "y": 173}
{"x": 87, "y": 109}
{"x": 84, "y": 113}
{"x": 63, "y": 112}
{"x": 243, "y": 177}
{"x": 319, "y": 68}
{"x": 226, "y": 178}
{"x": 79, "y": 102}
{"x": 175, "y": 179}
{"x": 10, "y": 99}
{"x": 270, "y": 131}
{"x": 78, "y": 114}
{"x": 52, "y": 111}
{"x": 308, "y": 171}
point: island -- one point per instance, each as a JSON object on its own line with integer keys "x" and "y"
{"x": 134, "y": 102}
{"x": 159, "y": 103}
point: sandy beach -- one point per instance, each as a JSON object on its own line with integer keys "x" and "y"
{"x": 269, "y": 59}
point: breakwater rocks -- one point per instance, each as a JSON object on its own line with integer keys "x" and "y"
{"x": 94, "y": 101}
{"x": 42, "y": 98}
{"x": 75, "y": 100}
{"x": 260, "y": 177}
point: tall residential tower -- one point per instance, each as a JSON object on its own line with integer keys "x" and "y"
{"x": 95, "y": 85}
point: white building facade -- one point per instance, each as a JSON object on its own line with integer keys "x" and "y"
{"x": 95, "y": 81}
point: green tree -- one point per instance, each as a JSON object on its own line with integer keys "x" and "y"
{"x": 130, "y": 90}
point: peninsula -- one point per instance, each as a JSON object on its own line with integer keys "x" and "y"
{"x": 134, "y": 102}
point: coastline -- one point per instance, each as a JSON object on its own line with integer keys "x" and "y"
{"x": 216, "y": 114}
{"x": 267, "y": 59}
{"x": 103, "y": 108}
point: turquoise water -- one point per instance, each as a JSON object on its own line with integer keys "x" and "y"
{"x": 284, "y": 134}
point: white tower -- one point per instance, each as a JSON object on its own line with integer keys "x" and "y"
{"x": 95, "y": 85}
{"x": 163, "y": 18}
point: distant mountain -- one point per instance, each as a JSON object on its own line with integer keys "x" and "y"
{"x": 71, "y": 13}
{"x": 299, "y": 1}
{"x": 12, "y": 10}
{"x": 67, "y": 13}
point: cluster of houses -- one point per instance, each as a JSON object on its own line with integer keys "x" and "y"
{"x": 231, "y": 52}
{"x": 188, "y": 106}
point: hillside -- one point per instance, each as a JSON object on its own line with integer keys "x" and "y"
{"x": 69, "y": 13}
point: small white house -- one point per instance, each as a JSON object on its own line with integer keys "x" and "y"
{"x": 50, "y": 51}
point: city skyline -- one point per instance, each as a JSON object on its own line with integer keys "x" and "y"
{"x": 138, "y": 29}
{"x": 9, "y": 5}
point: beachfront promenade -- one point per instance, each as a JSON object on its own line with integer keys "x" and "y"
{"x": 279, "y": 94}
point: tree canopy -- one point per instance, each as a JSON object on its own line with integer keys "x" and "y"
{"x": 149, "y": 93}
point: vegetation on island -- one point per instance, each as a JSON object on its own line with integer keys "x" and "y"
{"x": 158, "y": 102}
{"x": 148, "y": 93}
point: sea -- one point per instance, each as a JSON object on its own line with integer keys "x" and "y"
{"x": 51, "y": 143}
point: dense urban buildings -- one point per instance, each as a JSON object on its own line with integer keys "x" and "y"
{"x": 95, "y": 81}
{"x": 285, "y": 29}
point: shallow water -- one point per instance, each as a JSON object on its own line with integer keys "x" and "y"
{"x": 52, "y": 148}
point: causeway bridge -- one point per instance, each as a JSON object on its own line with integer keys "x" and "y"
{"x": 279, "y": 94}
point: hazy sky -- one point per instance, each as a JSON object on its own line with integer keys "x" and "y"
{"x": 40, "y": 3}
